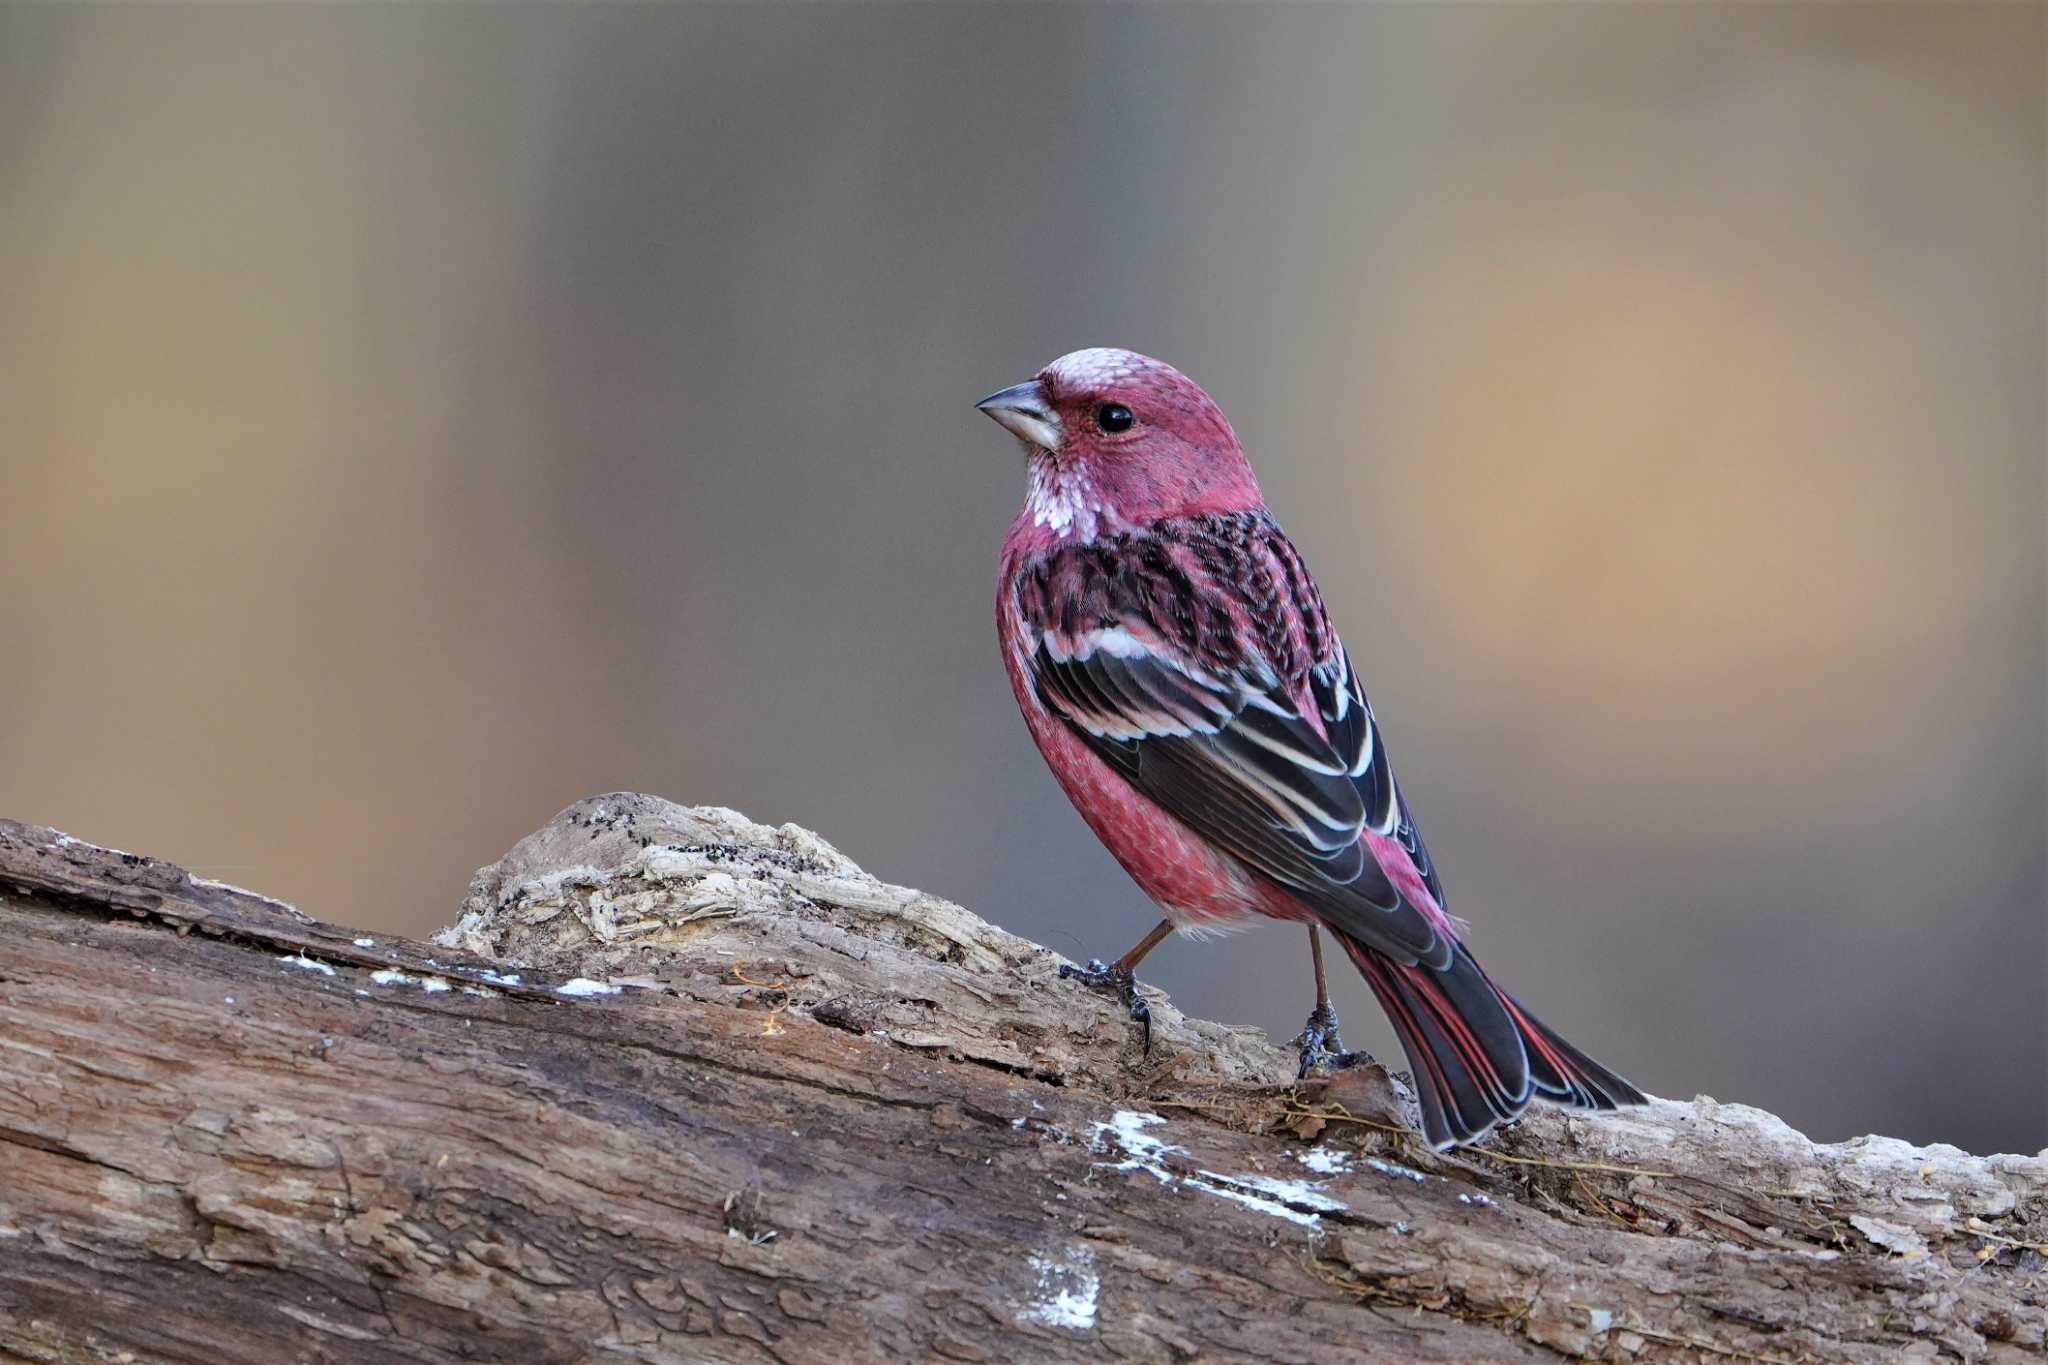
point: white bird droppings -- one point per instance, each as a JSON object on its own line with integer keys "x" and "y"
{"x": 1066, "y": 1291}
{"x": 1297, "y": 1201}
{"x": 1324, "y": 1160}
{"x": 1252, "y": 1201}
{"x": 1306, "y": 1193}
{"x": 429, "y": 984}
{"x": 1143, "y": 1152}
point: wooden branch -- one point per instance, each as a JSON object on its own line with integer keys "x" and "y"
{"x": 679, "y": 1087}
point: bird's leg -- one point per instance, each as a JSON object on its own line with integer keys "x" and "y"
{"x": 1121, "y": 976}
{"x": 1321, "y": 1028}
{"x": 1320, "y": 1042}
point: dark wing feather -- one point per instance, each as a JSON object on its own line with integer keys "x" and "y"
{"x": 1347, "y": 717}
{"x": 1411, "y": 839}
{"x": 1232, "y": 759}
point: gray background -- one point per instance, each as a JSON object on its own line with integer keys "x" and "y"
{"x": 418, "y": 418}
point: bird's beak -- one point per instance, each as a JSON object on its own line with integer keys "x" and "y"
{"x": 1024, "y": 410}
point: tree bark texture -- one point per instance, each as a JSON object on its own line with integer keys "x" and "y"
{"x": 680, "y": 1087}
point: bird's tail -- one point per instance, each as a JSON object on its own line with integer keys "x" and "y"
{"x": 1478, "y": 1058}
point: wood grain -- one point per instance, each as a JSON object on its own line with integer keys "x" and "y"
{"x": 679, "y": 1087}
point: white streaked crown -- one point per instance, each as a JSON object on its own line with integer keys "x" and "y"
{"x": 1097, "y": 367}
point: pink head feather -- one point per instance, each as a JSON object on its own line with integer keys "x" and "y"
{"x": 1178, "y": 456}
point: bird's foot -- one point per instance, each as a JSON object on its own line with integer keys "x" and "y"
{"x": 1322, "y": 1045}
{"x": 1099, "y": 975}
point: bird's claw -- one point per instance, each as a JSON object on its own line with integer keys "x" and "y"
{"x": 1099, "y": 975}
{"x": 1322, "y": 1045}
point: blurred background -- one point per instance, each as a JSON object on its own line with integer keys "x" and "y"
{"x": 417, "y": 418}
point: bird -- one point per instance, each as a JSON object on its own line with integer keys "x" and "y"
{"x": 1179, "y": 674}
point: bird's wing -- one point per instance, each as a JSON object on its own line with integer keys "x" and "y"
{"x": 1212, "y": 735}
{"x": 1348, "y": 720}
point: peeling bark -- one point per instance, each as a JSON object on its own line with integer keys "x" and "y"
{"x": 678, "y": 1087}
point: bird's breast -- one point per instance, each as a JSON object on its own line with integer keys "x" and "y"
{"x": 1194, "y": 884}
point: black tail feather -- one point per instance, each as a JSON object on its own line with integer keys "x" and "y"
{"x": 1564, "y": 1074}
{"x": 1478, "y": 1057}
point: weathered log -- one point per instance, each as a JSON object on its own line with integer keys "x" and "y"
{"x": 678, "y": 1087}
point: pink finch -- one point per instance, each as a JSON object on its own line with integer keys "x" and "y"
{"x": 1177, "y": 670}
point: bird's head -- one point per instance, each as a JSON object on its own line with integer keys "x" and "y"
{"x": 1115, "y": 438}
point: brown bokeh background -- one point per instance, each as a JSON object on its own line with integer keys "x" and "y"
{"x": 418, "y": 418}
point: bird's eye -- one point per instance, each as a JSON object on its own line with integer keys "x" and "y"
{"x": 1114, "y": 417}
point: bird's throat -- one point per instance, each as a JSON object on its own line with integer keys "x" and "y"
{"x": 1062, "y": 503}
